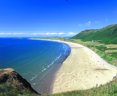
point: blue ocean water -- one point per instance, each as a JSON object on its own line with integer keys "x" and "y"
{"x": 31, "y": 58}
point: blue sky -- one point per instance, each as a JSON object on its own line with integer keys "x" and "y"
{"x": 54, "y": 17}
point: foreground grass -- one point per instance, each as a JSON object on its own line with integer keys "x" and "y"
{"x": 8, "y": 90}
{"x": 12, "y": 84}
{"x": 107, "y": 52}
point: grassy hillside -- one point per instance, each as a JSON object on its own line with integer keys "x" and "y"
{"x": 12, "y": 84}
{"x": 105, "y": 35}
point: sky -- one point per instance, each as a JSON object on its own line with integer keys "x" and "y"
{"x": 54, "y": 17}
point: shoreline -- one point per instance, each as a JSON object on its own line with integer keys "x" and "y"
{"x": 82, "y": 69}
{"x": 46, "y": 83}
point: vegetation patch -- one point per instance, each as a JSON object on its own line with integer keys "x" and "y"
{"x": 107, "y": 35}
{"x": 12, "y": 84}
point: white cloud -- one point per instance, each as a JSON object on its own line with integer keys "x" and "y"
{"x": 54, "y": 33}
{"x": 11, "y": 33}
{"x": 63, "y": 34}
{"x": 86, "y": 24}
{"x": 80, "y": 25}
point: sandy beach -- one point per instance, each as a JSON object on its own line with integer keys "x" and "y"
{"x": 83, "y": 69}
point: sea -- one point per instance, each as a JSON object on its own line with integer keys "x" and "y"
{"x": 31, "y": 58}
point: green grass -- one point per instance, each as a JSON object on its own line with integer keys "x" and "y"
{"x": 8, "y": 90}
{"x": 12, "y": 84}
{"x": 107, "y": 35}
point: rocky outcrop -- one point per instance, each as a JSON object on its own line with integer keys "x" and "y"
{"x": 11, "y": 78}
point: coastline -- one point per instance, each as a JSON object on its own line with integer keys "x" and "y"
{"x": 83, "y": 69}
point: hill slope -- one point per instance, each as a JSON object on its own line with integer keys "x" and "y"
{"x": 12, "y": 84}
{"x": 105, "y": 35}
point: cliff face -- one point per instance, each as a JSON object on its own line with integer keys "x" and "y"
{"x": 11, "y": 83}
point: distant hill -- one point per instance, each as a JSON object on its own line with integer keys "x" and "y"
{"x": 107, "y": 34}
